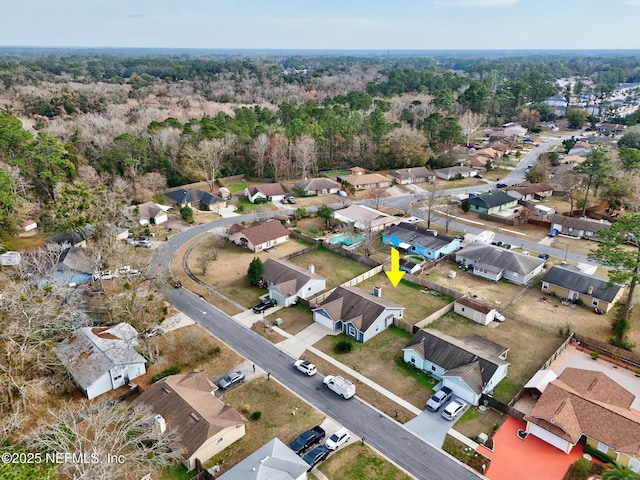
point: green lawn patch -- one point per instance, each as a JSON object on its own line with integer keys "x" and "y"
{"x": 336, "y": 173}
{"x": 178, "y": 472}
{"x": 245, "y": 206}
{"x": 356, "y": 462}
{"x": 506, "y": 390}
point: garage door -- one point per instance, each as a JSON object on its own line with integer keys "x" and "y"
{"x": 461, "y": 391}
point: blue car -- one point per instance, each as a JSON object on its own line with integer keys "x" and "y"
{"x": 554, "y": 232}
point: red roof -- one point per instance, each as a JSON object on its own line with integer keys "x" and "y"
{"x": 261, "y": 232}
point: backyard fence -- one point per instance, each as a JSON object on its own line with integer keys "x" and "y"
{"x": 622, "y": 357}
{"x": 299, "y": 252}
{"x": 314, "y": 302}
{"x": 555, "y": 354}
{"x": 432, "y": 286}
{"x": 502, "y": 407}
{"x": 435, "y": 315}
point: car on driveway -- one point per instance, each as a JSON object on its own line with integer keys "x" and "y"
{"x": 439, "y": 398}
{"x": 305, "y": 367}
{"x": 315, "y": 456}
{"x": 231, "y": 379}
{"x": 307, "y": 439}
{"x": 291, "y": 199}
{"x": 338, "y": 439}
{"x": 264, "y": 304}
{"x": 454, "y": 409}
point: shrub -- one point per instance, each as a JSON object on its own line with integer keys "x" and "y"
{"x": 582, "y": 465}
{"x": 595, "y": 355}
{"x": 259, "y": 201}
{"x": 165, "y": 373}
{"x": 255, "y": 416}
{"x": 594, "y": 452}
{"x": 343, "y": 346}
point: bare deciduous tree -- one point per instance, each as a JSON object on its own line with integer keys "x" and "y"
{"x": 260, "y": 147}
{"x": 376, "y": 194}
{"x": 470, "y": 122}
{"x": 203, "y": 161}
{"x": 572, "y": 186}
{"x": 433, "y": 194}
{"x": 304, "y": 150}
{"x": 102, "y": 430}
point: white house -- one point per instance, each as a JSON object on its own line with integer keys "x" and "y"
{"x": 287, "y": 282}
{"x": 187, "y": 405}
{"x": 494, "y": 263}
{"x": 474, "y": 311}
{"x": 365, "y": 218}
{"x": 471, "y": 366}
{"x": 318, "y": 186}
{"x": 358, "y": 314}
{"x": 258, "y": 236}
{"x": 150, "y": 213}
{"x": 101, "y": 359}
{"x": 271, "y": 192}
{"x": 450, "y": 173}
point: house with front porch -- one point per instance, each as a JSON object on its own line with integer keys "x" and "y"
{"x": 407, "y": 176}
{"x": 470, "y": 367}
{"x": 421, "y": 241}
{"x": 588, "y": 406}
{"x": 537, "y": 192}
{"x": 259, "y": 235}
{"x": 581, "y": 227}
{"x": 150, "y": 213}
{"x": 494, "y": 263}
{"x": 288, "y": 282}
{"x": 357, "y": 313}
{"x": 566, "y": 281}
{"x": 492, "y": 202}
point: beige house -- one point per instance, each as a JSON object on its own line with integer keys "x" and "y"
{"x": 204, "y": 425}
{"x": 360, "y": 180}
{"x": 590, "y": 406}
{"x": 259, "y": 235}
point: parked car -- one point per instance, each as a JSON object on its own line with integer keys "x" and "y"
{"x": 154, "y": 332}
{"x": 544, "y": 256}
{"x": 453, "y": 409}
{"x": 478, "y": 176}
{"x": 305, "y": 367}
{"x": 439, "y": 398}
{"x": 411, "y": 220}
{"x": 315, "y": 456}
{"x": 498, "y": 317}
{"x": 307, "y": 439}
{"x": 554, "y": 232}
{"x": 459, "y": 237}
{"x": 143, "y": 244}
{"x": 284, "y": 200}
{"x": 231, "y": 379}
{"x": 264, "y": 304}
{"x": 497, "y": 243}
{"x": 507, "y": 246}
{"x": 291, "y": 199}
{"x": 338, "y": 439}
{"x": 501, "y": 185}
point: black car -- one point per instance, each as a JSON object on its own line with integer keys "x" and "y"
{"x": 264, "y": 304}
{"x": 501, "y": 185}
{"x": 315, "y": 456}
{"x": 307, "y": 439}
{"x": 544, "y": 256}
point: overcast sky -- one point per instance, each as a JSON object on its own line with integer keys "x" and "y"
{"x": 323, "y": 24}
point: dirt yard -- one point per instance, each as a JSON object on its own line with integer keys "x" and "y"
{"x": 332, "y": 266}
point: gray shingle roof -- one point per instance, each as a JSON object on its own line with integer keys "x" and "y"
{"x": 316, "y": 184}
{"x": 420, "y": 236}
{"x": 184, "y": 196}
{"x": 285, "y": 276}
{"x": 496, "y": 259}
{"x": 581, "y": 282}
{"x": 457, "y": 357}
{"x": 410, "y": 173}
{"x": 491, "y": 199}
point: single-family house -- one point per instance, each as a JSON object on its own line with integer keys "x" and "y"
{"x": 287, "y": 282}
{"x": 494, "y": 263}
{"x": 450, "y": 173}
{"x": 580, "y": 148}
{"x": 271, "y": 192}
{"x": 365, "y": 218}
{"x": 75, "y": 238}
{"x": 318, "y": 186}
{"x": 496, "y": 135}
{"x": 535, "y": 192}
{"x": 272, "y": 461}
{"x": 75, "y": 267}
{"x": 101, "y": 359}
{"x": 492, "y": 202}
{"x": 360, "y": 180}
{"x": 10, "y": 259}
{"x": 581, "y": 227}
{"x": 614, "y": 128}
{"x": 515, "y": 131}
{"x": 119, "y": 233}
{"x": 572, "y": 160}
{"x": 470, "y": 367}
{"x": 259, "y": 235}
{"x": 196, "y": 198}
{"x": 421, "y": 241}
{"x": 474, "y": 311}
{"x": 588, "y": 405}
{"x": 406, "y": 176}
{"x": 151, "y": 213}
{"x": 566, "y": 281}
{"x": 357, "y": 313}
{"x": 186, "y": 404}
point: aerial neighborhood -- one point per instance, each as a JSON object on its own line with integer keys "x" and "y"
{"x": 208, "y": 280}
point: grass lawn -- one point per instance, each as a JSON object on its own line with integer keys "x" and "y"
{"x": 335, "y": 173}
{"x": 529, "y": 347}
{"x": 238, "y": 187}
{"x": 275, "y": 404}
{"x": 24, "y": 243}
{"x": 245, "y": 206}
{"x": 465, "y": 454}
{"x": 178, "y": 472}
{"x": 474, "y": 422}
{"x": 417, "y": 305}
{"x": 356, "y": 462}
{"x": 294, "y": 319}
{"x": 380, "y": 360}
{"x": 335, "y": 268}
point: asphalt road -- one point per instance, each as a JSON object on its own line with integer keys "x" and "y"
{"x": 417, "y": 457}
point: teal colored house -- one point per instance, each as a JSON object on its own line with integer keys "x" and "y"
{"x": 492, "y": 202}
{"x": 420, "y": 241}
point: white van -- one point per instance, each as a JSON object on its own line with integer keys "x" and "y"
{"x": 340, "y": 385}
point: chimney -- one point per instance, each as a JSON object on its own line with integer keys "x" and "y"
{"x": 312, "y": 269}
{"x": 377, "y": 291}
{"x": 160, "y": 424}
{"x": 590, "y": 290}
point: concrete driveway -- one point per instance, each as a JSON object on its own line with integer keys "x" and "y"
{"x": 431, "y": 426}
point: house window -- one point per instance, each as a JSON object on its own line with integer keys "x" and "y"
{"x": 588, "y": 234}
{"x": 570, "y": 229}
{"x": 433, "y": 368}
{"x": 594, "y": 302}
{"x": 413, "y": 359}
{"x": 351, "y": 330}
{"x": 545, "y": 286}
{"x": 602, "y": 447}
{"x": 462, "y": 309}
{"x": 634, "y": 465}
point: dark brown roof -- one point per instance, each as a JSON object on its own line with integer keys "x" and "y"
{"x": 181, "y": 399}
{"x": 268, "y": 189}
{"x": 534, "y": 188}
{"x": 261, "y": 232}
{"x": 478, "y": 307}
{"x": 355, "y": 305}
{"x": 364, "y": 179}
{"x": 584, "y": 402}
{"x": 580, "y": 223}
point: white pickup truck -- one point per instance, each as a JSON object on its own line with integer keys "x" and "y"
{"x": 340, "y": 385}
